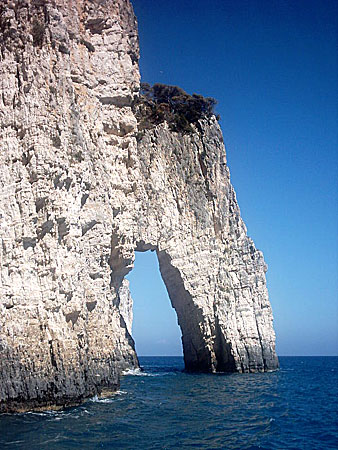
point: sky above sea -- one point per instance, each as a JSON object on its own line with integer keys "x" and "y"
{"x": 272, "y": 66}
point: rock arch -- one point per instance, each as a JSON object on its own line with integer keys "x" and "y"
{"x": 197, "y": 354}
{"x": 81, "y": 188}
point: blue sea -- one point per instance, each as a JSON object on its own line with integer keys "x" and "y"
{"x": 163, "y": 407}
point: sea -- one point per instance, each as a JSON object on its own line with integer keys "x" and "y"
{"x": 163, "y": 407}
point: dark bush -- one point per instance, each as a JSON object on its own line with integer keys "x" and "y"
{"x": 161, "y": 102}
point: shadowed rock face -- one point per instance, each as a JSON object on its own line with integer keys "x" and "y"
{"x": 79, "y": 195}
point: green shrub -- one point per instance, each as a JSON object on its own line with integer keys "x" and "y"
{"x": 161, "y": 102}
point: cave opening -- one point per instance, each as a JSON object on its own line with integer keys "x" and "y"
{"x": 155, "y": 329}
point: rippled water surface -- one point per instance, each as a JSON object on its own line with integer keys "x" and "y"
{"x": 165, "y": 408}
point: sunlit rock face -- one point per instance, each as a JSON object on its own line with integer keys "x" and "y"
{"x": 82, "y": 190}
{"x": 214, "y": 275}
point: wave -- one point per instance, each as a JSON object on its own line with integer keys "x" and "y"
{"x": 141, "y": 373}
{"x": 136, "y": 372}
{"x": 97, "y": 399}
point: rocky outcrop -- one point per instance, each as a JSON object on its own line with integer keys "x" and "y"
{"x": 214, "y": 274}
{"x": 82, "y": 190}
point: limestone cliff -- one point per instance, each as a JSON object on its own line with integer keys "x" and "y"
{"x": 82, "y": 190}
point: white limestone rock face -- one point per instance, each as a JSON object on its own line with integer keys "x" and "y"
{"x": 126, "y": 305}
{"x": 79, "y": 195}
{"x": 68, "y": 76}
{"x": 187, "y": 211}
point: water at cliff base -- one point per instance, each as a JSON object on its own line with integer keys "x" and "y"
{"x": 164, "y": 408}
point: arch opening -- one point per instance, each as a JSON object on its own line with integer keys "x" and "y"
{"x": 155, "y": 327}
{"x": 157, "y": 330}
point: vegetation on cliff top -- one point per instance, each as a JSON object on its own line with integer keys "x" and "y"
{"x": 160, "y": 102}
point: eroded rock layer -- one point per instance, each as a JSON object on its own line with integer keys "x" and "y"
{"x": 82, "y": 190}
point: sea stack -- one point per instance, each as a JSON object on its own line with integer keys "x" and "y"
{"x": 82, "y": 189}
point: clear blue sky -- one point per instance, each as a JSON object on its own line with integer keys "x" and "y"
{"x": 272, "y": 66}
